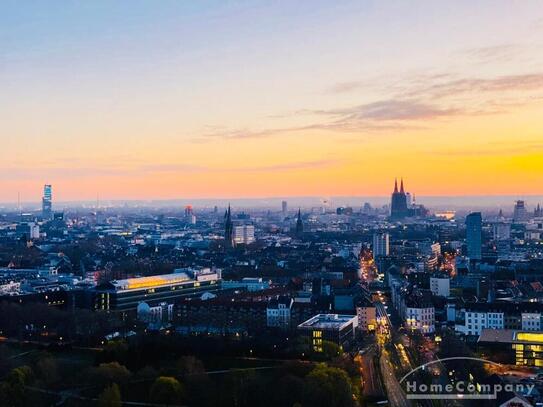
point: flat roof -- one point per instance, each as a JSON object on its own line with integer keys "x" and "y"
{"x": 149, "y": 282}
{"x": 161, "y": 280}
{"x": 497, "y": 335}
{"x": 511, "y": 336}
{"x": 328, "y": 321}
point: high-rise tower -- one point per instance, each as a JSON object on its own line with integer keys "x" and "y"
{"x": 520, "y": 213}
{"x": 47, "y": 202}
{"x": 474, "y": 235}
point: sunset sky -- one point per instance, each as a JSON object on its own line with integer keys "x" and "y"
{"x": 195, "y": 99}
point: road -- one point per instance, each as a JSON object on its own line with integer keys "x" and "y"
{"x": 371, "y": 383}
{"x": 395, "y": 392}
{"x": 396, "y": 395}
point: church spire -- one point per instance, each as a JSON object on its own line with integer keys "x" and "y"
{"x": 401, "y": 188}
{"x": 299, "y": 224}
{"x": 395, "y": 185}
{"x": 228, "y": 228}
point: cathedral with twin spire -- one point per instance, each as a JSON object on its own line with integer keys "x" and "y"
{"x": 398, "y": 206}
{"x": 402, "y": 207}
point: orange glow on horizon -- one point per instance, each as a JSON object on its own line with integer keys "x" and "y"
{"x": 243, "y": 100}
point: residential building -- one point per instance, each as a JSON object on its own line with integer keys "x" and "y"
{"x": 381, "y": 244}
{"x": 367, "y": 315}
{"x": 531, "y": 321}
{"x": 340, "y": 329}
{"x": 501, "y": 231}
{"x": 247, "y": 283}
{"x": 244, "y": 234}
{"x": 440, "y": 285}
{"x": 473, "y": 318}
{"x": 278, "y": 312}
{"x": 419, "y": 312}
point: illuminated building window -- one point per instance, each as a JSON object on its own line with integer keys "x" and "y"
{"x": 530, "y": 337}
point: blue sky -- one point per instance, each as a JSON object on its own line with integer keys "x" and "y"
{"x": 97, "y": 93}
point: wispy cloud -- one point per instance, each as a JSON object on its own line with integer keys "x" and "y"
{"x": 239, "y": 133}
{"x": 538, "y": 24}
{"x": 385, "y": 115}
{"x": 391, "y": 110}
{"x": 377, "y": 116}
{"x": 296, "y": 165}
{"x": 492, "y": 149}
{"x": 344, "y": 87}
{"x": 413, "y": 102}
{"x": 170, "y": 168}
{"x": 493, "y": 53}
{"x": 39, "y": 173}
{"x": 442, "y": 89}
{"x": 302, "y": 165}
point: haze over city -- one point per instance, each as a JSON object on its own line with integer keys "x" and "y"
{"x": 128, "y": 100}
{"x": 249, "y": 203}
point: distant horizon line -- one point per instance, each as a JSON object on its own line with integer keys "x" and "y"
{"x": 420, "y": 199}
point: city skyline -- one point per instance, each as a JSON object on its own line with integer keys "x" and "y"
{"x": 194, "y": 101}
{"x": 259, "y": 203}
{"x": 411, "y": 206}
{"x": 463, "y": 202}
